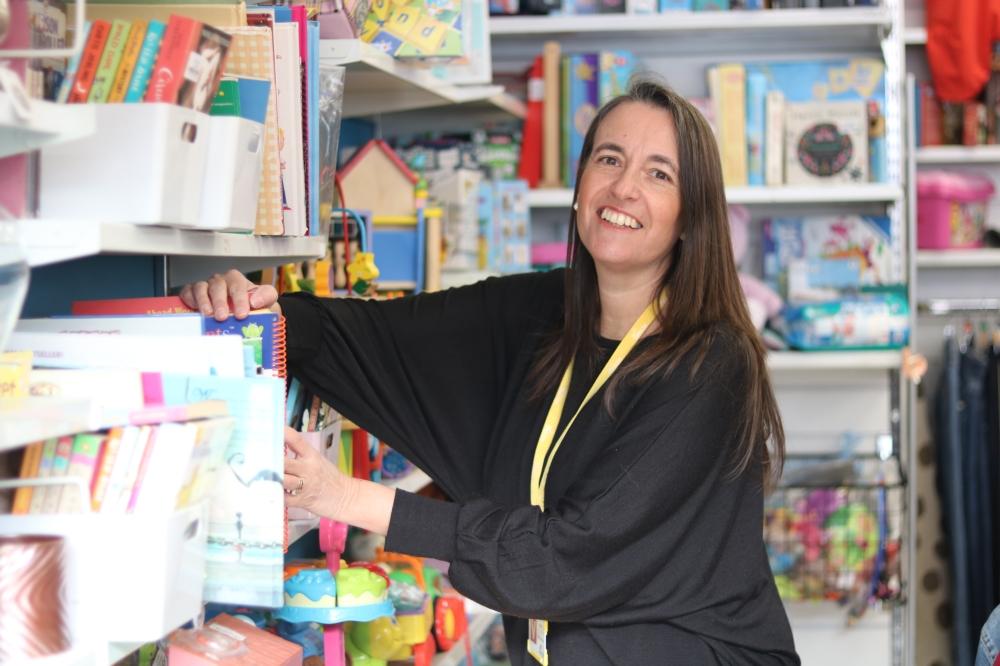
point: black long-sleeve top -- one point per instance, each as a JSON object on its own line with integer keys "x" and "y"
{"x": 648, "y": 553}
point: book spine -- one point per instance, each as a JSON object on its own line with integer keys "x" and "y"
{"x": 130, "y": 55}
{"x": 108, "y": 65}
{"x": 102, "y": 475}
{"x": 774, "y": 150}
{"x": 168, "y": 73}
{"x": 71, "y": 69}
{"x": 756, "y": 127}
{"x": 144, "y": 63}
{"x": 710, "y": 5}
{"x": 83, "y": 460}
{"x": 674, "y": 5}
{"x": 90, "y": 59}
{"x": 142, "y": 469}
{"x": 60, "y": 468}
{"x": 29, "y": 468}
{"x": 550, "y": 115}
{"x": 931, "y": 117}
{"x": 581, "y": 94}
{"x": 732, "y": 124}
{"x": 44, "y": 471}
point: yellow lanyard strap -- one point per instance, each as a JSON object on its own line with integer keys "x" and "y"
{"x": 542, "y": 463}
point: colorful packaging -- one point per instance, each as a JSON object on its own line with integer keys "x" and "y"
{"x": 951, "y": 209}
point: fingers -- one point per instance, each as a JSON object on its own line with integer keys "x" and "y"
{"x": 218, "y": 294}
{"x": 187, "y": 297}
{"x": 263, "y": 296}
{"x": 236, "y": 285}
{"x": 298, "y": 445}
{"x": 201, "y": 301}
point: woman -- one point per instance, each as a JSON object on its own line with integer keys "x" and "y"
{"x": 637, "y": 536}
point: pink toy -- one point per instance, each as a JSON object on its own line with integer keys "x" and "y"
{"x": 951, "y": 209}
{"x": 762, "y": 301}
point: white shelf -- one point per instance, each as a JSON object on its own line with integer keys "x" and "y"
{"x": 44, "y": 123}
{"x": 834, "y": 360}
{"x": 976, "y": 258}
{"x": 51, "y": 241}
{"x": 379, "y": 83}
{"x": 299, "y": 528}
{"x": 27, "y": 420}
{"x": 412, "y": 482}
{"x": 869, "y": 193}
{"x": 915, "y": 36}
{"x": 958, "y": 155}
{"x": 806, "y": 20}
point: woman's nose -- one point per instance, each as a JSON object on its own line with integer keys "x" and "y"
{"x": 624, "y": 186}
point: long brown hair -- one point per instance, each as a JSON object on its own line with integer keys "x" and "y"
{"x": 704, "y": 289}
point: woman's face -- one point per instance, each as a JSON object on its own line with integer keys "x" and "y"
{"x": 629, "y": 195}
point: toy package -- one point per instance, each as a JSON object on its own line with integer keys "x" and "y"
{"x": 511, "y": 226}
{"x": 817, "y": 258}
{"x": 865, "y": 321}
{"x": 416, "y": 28}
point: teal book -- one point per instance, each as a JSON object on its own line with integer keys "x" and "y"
{"x": 67, "y": 83}
{"x": 755, "y": 124}
{"x": 144, "y": 65}
{"x": 711, "y": 5}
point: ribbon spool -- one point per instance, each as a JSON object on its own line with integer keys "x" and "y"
{"x": 32, "y": 610}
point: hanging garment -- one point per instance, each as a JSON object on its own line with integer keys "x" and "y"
{"x": 992, "y": 395}
{"x": 950, "y": 486}
{"x": 960, "y": 36}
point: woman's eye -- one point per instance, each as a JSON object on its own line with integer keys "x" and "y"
{"x": 607, "y": 160}
{"x": 660, "y": 175}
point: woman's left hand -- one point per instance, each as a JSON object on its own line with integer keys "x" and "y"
{"x": 314, "y": 483}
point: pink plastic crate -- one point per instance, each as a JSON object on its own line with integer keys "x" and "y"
{"x": 951, "y": 209}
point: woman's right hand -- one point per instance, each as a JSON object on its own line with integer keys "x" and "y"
{"x": 232, "y": 293}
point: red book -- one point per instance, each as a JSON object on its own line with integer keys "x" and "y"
{"x": 930, "y": 117}
{"x": 973, "y": 124}
{"x": 131, "y": 306}
{"x": 89, "y": 61}
{"x": 530, "y": 168}
{"x": 179, "y": 40}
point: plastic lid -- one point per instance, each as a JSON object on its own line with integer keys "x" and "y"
{"x": 954, "y": 185}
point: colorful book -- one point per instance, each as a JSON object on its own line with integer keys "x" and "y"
{"x": 90, "y": 60}
{"x": 131, "y": 306}
{"x": 710, "y": 5}
{"x": 52, "y": 497}
{"x": 254, "y": 95}
{"x": 227, "y": 99}
{"x": 288, "y": 82}
{"x": 774, "y": 149}
{"x": 675, "y": 5}
{"x": 82, "y": 464}
{"x": 108, "y": 64}
{"x": 616, "y": 70}
{"x": 826, "y": 142}
{"x": 732, "y": 123}
{"x": 144, "y": 63}
{"x": 74, "y": 63}
{"x": 29, "y": 470}
{"x": 130, "y": 56}
{"x": 44, "y": 472}
{"x": 580, "y": 101}
{"x": 203, "y": 69}
{"x": 105, "y": 464}
{"x": 179, "y": 40}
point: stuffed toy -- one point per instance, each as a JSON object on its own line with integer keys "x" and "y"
{"x": 762, "y": 301}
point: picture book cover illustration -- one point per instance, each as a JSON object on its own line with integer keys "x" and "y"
{"x": 416, "y": 29}
{"x": 204, "y": 69}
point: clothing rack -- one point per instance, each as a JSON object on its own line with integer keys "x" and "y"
{"x": 951, "y": 306}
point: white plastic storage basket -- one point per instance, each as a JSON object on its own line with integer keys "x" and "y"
{"x": 232, "y": 177}
{"x": 129, "y": 578}
{"x": 144, "y": 164}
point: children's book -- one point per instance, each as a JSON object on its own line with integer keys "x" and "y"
{"x": 29, "y": 470}
{"x": 44, "y": 471}
{"x": 826, "y": 142}
{"x": 179, "y": 40}
{"x": 246, "y": 530}
{"x": 145, "y": 61}
{"x": 616, "y": 69}
{"x": 82, "y": 464}
{"x": 130, "y": 56}
{"x": 755, "y": 130}
{"x": 580, "y": 92}
{"x": 108, "y": 64}
{"x": 90, "y": 59}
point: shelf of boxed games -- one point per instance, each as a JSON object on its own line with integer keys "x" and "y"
{"x": 847, "y": 194}
{"x": 847, "y": 28}
{"x": 378, "y": 83}
{"x": 27, "y": 124}
{"x": 49, "y": 241}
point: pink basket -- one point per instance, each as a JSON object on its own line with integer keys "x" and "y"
{"x": 951, "y": 209}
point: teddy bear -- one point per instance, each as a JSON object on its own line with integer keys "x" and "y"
{"x": 762, "y": 301}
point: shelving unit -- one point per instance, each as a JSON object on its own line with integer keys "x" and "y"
{"x": 755, "y": 196}
{"x": 39, "y": 123}
{"x": 834, "y": 360}
{"x": 378, "y": 83}
{"x": 958, "y": 155}
{"x": 27, "y": 420}
{"x": 977, "y": 258}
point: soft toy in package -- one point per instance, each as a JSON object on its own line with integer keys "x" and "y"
{"x": 818, "y": 258}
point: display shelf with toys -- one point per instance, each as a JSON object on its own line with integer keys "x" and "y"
{"x": 378, "y": 83}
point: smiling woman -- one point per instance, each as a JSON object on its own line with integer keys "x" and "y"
{"x": 602, "y": 430}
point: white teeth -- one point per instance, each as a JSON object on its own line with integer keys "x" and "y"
{"x": 620, "y": 219}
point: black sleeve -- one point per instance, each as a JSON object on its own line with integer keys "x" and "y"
{"x": 615, "y": 529}
{"x": 424, "y": 374}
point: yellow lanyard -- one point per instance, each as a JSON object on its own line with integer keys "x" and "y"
{"x": 542, "y": 463}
